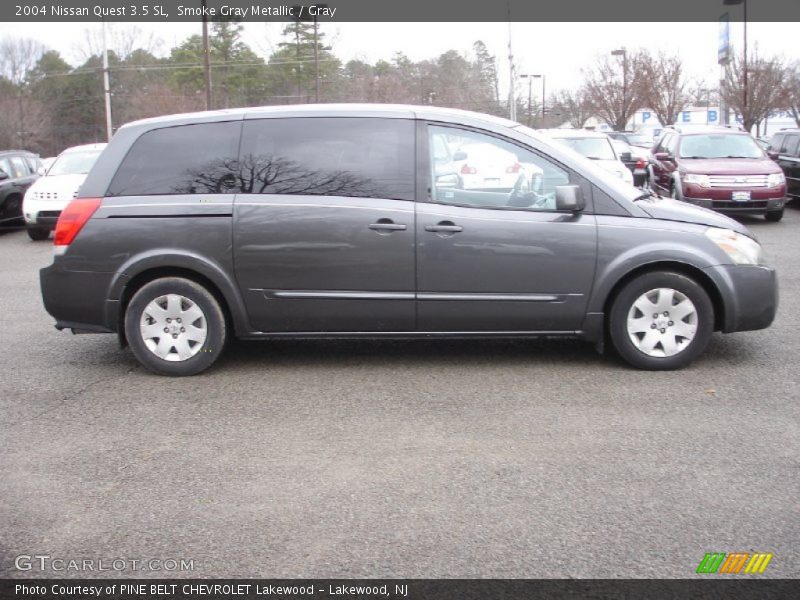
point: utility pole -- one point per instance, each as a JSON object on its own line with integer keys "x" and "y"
{"x": 206, "y": 60}
{"x": 106, "y": 87}
{"x": 512, "y": 101}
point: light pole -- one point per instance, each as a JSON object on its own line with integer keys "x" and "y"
{"x": 624, "y": 54}
{"x": 206, "y": 60}
{"x": 530, "y": 77}
{"x": 744, "y": 55}
{"x": 316, "y": 54}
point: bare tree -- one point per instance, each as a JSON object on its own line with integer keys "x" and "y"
{"x": 18, "y": 56}
{"x": 791, "y": 92}
{"x": 121, "y": 40}
{"x": 765, "y": 87}
{"x": 665, "y": 88}
{"x": 702, "y": 93}
{"x": 574, "y": 107}
{"x": 615, "y": 86}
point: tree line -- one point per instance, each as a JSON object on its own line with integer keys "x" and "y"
{"x": 47, "y": 104}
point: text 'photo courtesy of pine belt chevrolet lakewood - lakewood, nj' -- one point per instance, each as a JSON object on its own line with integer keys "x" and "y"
{"x": 387, "y": 221}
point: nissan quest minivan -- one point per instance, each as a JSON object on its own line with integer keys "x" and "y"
{"x": 358, "y": 221}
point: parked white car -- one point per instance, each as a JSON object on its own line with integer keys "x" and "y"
{"x": 595, "y": 146}
{"x": 48, "y": 196}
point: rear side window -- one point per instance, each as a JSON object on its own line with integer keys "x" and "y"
{"x": 776, "y": 141}
{"x": 791, "y": 145}
{"x": 187, "y": 159}
{"x": 355, "y": 157}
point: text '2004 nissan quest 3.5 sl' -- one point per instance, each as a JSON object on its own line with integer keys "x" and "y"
{"x": 365, "y": 220}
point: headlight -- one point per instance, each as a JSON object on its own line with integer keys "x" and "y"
{"x": 775, "y": 179}
{"x": 741, "y": 249}
{"x": 701, "y": 180}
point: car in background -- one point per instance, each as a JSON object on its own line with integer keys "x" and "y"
{"x": 784, "y": 149}
{"x": 595, "y": 146}
{"x": 633, "y": 157}
{"x": 632, "y": 138}
{"x": 46, "y": 198}
{"x": 18, "y": 170}
{"x": 718, "y": 168}
{"x": 46, "y": 164}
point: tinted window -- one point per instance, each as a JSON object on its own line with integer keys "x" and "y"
{"x": 776, "y": 141}
{"x": 357, "y": 157}
{"x": 188, "y": 159}
{"x": 487, "y": 172}
{"x": 791, "y": 145}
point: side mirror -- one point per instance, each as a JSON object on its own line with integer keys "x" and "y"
{"x": 460, "y": 155}
{"x": 41, "y": 170}
{"x": 772, "y": 154}
{"x": 625, "y": 157}
{"x": 569, "y": 198}
{"x": 662, "y": 156}
{"x": 3, "y": 175}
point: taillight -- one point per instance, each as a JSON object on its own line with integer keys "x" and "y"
{"x": 640, "y": 163}
{"x": 467, "y": 170}
{"x": 73, "y": 218}
{"x": 513, "y": 168}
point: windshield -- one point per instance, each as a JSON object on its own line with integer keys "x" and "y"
{"x": 594, "y": 148}
{"x": 719, "y": 146}
{"x": 638, "y": 139}
{"x": 73, "y": 163}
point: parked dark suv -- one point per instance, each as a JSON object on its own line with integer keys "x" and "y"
{"x": 18, "y": 170}
{"x": 348, "y": 221}
{"x": 784, "y": 149}
{"x": 718, "y": 168}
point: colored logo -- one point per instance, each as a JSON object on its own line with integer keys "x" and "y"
{"x": 734, "y": 562}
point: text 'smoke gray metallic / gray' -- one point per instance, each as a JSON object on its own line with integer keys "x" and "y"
{"x": 379, "y": 220}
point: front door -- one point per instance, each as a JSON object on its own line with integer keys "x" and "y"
{"x": 493, "y": 253}
{"x": 324, "y": 226}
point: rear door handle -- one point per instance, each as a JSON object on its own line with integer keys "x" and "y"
{"x": 444, "y": 227}
{"x": 387, "y": 225}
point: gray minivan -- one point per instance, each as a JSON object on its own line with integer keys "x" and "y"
{"x": 386, "y": 221}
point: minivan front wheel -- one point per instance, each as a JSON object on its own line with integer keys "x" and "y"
{"x": 774, "y": 215}
{"x": 175, "y": 327}
{"x": 661, "y": 321}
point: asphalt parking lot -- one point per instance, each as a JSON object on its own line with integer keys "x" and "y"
{"x": 399, "y": 459}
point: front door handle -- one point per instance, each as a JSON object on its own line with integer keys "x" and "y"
{"x": 386, "y": 225}
{"x": 444, "y": 227}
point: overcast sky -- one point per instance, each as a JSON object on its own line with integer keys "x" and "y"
{"x": 558, "y": 50}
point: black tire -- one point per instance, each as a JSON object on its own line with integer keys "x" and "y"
{"x": 214, "y": 322}
{"x": 37, "y": 234}
{"x": 774, "y": 216}
{"x": 636, "y": 288}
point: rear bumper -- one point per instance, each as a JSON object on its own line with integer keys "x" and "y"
{"x": 749, "y": 295}
{"x": 76, "y": 299}
{"x": 756, "y": 206}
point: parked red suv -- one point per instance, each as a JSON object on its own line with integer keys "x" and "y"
{"x": 718, "y": 168}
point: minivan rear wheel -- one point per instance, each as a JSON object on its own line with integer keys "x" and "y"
{"x": 175, "y": 326}
{"x": 661, "y": 321}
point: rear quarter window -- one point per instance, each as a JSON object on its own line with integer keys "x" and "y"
{"x": 186, "y": 159}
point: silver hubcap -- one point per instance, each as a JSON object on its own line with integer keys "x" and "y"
{"x": 173, "y": 327}
{"x": 662, "y": 322}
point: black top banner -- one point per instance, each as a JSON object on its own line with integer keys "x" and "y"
{"x": 405, "y": 11}
{"x": 398, "y": 589}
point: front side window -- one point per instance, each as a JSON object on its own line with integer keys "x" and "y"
{"x": 791, "y": 145}
{"x": 19, "y": 167}
{"x": 186, "y": 159}
{"x": 776, "y": 142}
{"x": 483, "y": 171}
{"x": 329, "y": 156}
{"x": 719, "y": 146}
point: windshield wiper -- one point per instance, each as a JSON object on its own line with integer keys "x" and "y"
{"x": 645, "y": 195}
{"x": 740, "y": 156}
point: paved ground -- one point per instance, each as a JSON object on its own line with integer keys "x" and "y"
{"x": 403, "y": 459}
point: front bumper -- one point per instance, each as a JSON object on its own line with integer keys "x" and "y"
{"x": 755, "y": 206}
{"x": 749, "y": 295}
{"x": 42, "y": 213}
